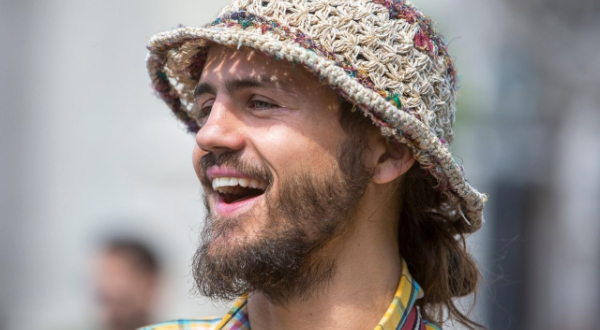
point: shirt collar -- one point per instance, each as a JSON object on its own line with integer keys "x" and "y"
{"x": 407, "y": 293}
{"x": 401, "y": 308}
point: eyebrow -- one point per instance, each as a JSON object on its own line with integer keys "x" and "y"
{"x": 233, "y": 85}
{"x": 204, "y": 88}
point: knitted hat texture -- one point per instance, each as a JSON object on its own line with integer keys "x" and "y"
{"x": 384, "y": 56}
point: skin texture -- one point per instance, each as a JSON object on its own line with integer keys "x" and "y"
{"x": 291, "y": 125}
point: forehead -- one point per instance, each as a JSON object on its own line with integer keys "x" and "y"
{"x": 224, "y": 63}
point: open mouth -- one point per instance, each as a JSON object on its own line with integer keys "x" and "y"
{"x": 233, "y": 190}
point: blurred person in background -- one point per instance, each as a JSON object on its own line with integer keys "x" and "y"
{"x": 333, "y": 200}
{"x": 127, "y": 277}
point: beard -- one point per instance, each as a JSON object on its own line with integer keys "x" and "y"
{"x": 283, "y": 260}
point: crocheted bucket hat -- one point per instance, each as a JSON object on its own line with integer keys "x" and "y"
{"x": 382, "y": 55}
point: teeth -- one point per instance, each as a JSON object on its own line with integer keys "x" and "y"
{"x": 223, "y": 182}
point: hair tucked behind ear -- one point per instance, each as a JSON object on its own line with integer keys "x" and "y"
{"x": 437, "y": 259}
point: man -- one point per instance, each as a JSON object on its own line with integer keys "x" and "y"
{"x": 322, "y": 132}
{"x": 126, "y": 284}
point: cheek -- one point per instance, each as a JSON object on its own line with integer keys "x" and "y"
{"x": 294, "y": 150}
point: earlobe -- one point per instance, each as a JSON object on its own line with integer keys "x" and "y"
{"x": 394, "y": 162}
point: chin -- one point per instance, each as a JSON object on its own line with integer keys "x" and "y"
{"x": 234, "y": 231}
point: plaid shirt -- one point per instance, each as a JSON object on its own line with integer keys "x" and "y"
{"x": 401, "y": 315}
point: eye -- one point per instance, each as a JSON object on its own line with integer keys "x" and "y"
{"x": 206, "y": 108}
{"x": 205, "y": 111}
{"x": 258, "y": 104}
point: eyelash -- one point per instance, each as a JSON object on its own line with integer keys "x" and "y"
{"x": 264, "y": 105}
{"x": 205, "y": 111}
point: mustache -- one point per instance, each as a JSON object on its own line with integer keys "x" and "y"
{"x": 234, "y": 161}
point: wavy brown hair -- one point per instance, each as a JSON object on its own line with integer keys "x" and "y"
{"x": 431, "y": 242}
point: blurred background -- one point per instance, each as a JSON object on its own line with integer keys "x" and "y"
{"x": 88, "y": 156}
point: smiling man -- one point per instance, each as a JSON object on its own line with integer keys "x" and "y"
{"x": 322, "y": 134}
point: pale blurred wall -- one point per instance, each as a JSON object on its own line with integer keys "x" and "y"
{"x": 556, "y": 47}
{"x": 90, "y": 150}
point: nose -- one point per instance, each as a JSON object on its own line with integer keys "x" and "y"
{"x": 222, "y": 130}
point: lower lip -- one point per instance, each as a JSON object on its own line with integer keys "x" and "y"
{"x": 229, "y": 209}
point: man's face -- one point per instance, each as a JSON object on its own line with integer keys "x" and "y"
{"x": 280, "y": 175}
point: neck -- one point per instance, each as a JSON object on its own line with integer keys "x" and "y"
{"x": 366, "y": 275}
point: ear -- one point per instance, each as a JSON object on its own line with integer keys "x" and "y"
{"x": 394, "y": 160}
